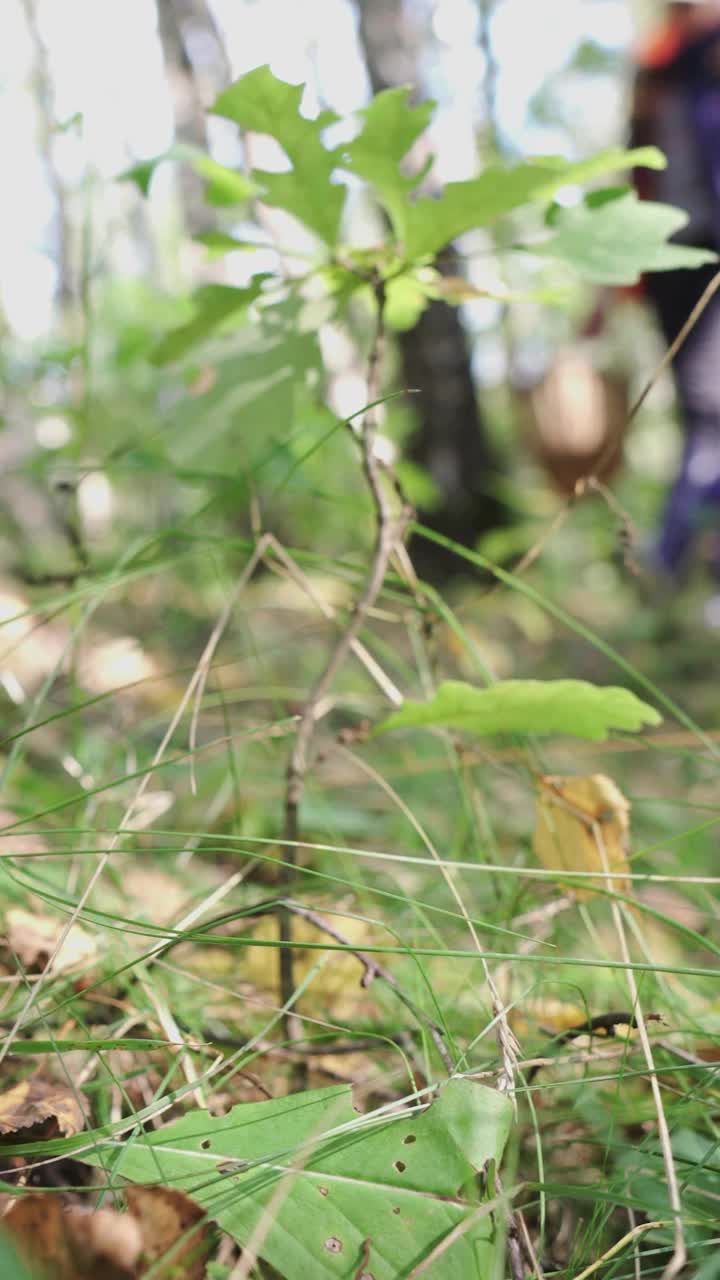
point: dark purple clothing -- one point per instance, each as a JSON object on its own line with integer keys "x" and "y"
{"x": 694, "y": 500}
{"x": 677, "y": 107}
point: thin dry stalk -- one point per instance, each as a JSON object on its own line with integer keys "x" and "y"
{"x": 194, "y": 682}
{"x": 679, "y": 1255}
{"x": 373, "y": 668}
{"x": 507, "y": 1044}
{"x": 630, "y": 1238}
{"x": 458, "y": 1231}
{"x": 675, "y": 346}
{"x": 590, "y": 483}
{"x": 374, "y": 970}
{"x": 390, "y": 525}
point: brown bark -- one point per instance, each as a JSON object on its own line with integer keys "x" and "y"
{"x": 450, "y": 440}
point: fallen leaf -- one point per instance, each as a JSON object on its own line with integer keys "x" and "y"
{"x": 555, "y": 1015}
{"x": 37, "y": 1227}
{"x": 33, "y": 938}
{"x": 165, "y": 1215}
{"x": 336, "y": 988}
{"x": 582, "y": 825}
{"x": 162, "y": 1233}
{"x": 16, "y": 844}
{"x": 49, "y": 1110}
{"x": 155, "y": 895}
{"x": 71, "y": 1242}
{"x": 103, "y": 1236}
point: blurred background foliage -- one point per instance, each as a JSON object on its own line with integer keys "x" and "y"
{"x": 133, "y": 486}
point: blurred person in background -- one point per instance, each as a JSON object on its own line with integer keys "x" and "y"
{"x": 676, "y": 107}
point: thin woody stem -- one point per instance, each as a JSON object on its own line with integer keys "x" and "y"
{"x": 390, "y": 525}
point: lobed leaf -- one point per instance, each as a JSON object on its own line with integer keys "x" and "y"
{"x": 390, "y": 128}
{"x": 213, "y": 305}
{"x": 462, "y": 206}
{"x": 261, "y": 103}
{"x": 613, "y": 241}
{"x": 573, "y": 707}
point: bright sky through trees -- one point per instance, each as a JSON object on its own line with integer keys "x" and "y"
{"x": 106, "y": 66}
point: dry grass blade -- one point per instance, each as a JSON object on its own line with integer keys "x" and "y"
{"x": 126, "y": 820}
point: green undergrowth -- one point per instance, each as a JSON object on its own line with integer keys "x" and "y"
{"x": 381, "y": 1121}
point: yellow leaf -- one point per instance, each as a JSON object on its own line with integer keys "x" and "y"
{"x": 546, "y": 1014}
{"x": 582, "y": 825}
{"x": 336, "y": 990}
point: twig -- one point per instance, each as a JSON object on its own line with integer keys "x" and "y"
{"x": 373, "y": 668}
{"x": 389, "y": 529}
{"x": 528, "y": 1245}
{"x": 589, "y": 483}
{"x": 374, "y": 970}
{"x": 514, "y": 1250}
{"x": 702, "y": 302}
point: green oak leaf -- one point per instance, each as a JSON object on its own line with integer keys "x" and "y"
{"x": 614, "y": 241}
{"x": 572, "y": 707}
{"x": 434, "y": 222}
{"x": 261, "y": 103}
{"x": 213, "y": 305}
{"x": 390, "y": 127}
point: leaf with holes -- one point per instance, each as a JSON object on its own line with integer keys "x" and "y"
{"x": 574, "y": 707}
{"x": 319, "y": 1190}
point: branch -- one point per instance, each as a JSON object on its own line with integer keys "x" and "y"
{"x": 374, "y": 970}
{"x": 390, "y": 526}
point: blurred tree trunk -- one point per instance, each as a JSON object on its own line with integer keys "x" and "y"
{"x": 43, "y": 96}
{"x": 197, "y": 69}
{"x": 450, "y": 440}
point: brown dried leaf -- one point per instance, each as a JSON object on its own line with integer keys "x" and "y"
{"x": 583, "y": 825}
{"x": 165, "y": 1215}
{"x": 33, "y": 939}
{"x": 49, "y": 1110}
{"x": 104, "y": 1242}
{"x": 37, "y": 1227}
{"x": 71, "y": 1242}
{"x": 74, "y": 1242}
